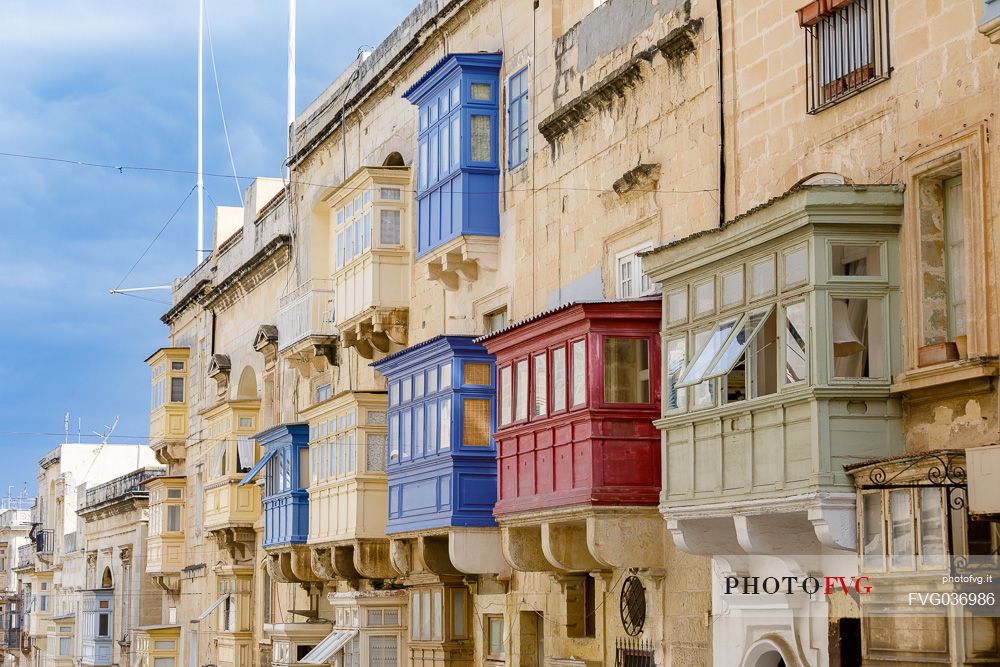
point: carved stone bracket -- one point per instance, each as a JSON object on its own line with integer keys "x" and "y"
{"x": 238, "y": 542}
{"x": 314, "y": 354}
{"x": 376, "y": 332}
{"x": 462, "y": 260}
{"x": 170, "y": 583}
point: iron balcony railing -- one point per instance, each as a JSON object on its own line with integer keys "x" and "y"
{"x": 121, "y": 486}
{"x": 45, "y": 541}
{"x": 636, "y": 652}
{"x": 10, "y": 638}
{"x": 847, "y": 49}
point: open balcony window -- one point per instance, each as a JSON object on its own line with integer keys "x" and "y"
{"x": 796, "y": 361}
{"x": 857, "y": 326}
{"x": 906, "y": 528}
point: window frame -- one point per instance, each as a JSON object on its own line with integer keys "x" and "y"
{"x": 638, "y": 280}
{"x": 652, "y": 367}
{"x": 524, "y": 128}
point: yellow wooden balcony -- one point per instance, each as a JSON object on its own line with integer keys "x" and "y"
{"x": 347, "y": 450}
{"x": 369, "y": 260}
{"x": 158, "y": 645}
{"x": 165, "y": 544}
{"x": 229, "y": 453}
{"x": 168, "y": 415}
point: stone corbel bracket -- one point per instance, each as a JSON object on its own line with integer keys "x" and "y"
{"x": 462, "y": 261}
{"x": 674, "y": 46}
{"x": 376, "y": 332}
{"x": 641, "y": 178}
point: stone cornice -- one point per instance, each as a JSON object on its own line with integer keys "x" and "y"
{"x": 253, "y": 272}
{"x": 678, "y": 43}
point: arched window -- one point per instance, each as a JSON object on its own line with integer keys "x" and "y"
{"x": 106, "y": 581}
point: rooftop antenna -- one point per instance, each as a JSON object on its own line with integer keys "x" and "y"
{"x": 108, "y": 430}
{"x": 66, "y": 427}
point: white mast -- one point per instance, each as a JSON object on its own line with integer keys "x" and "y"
{"x": 291, "y": 75}
{"x": 201, "y": 179}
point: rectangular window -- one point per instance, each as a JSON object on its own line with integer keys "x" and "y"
{"x": 856, "y": 259}
{"x": 389, "y": 232}
{"x": 407, "y": 433}
{"x": 676, "y": 358}
{"x": 540, "y": 404}
{"x": 104, "y": 625}
{"x": 176, "y": 390}
{"x": 436, "y": 616}
{"x": 481, "y": 91}
{"x": 857, "y": 334}
{"x": 579, "y": 370}
{"x": 901, "y": 523}
{"x": 517, "y": 119}
{"x": 368, "y": 231}
{"x": 340, "y": 250}
{"x": 707, "y": 351}
{"x": 418, "y": 431}
{"x": 65, "y": 646}
{"x": 626, "y": 277}
{"x": 390, "y": 194}
{"x": 496, "y": 320}
{"x": 495, "y": 638}
{"x": 847, "y": 50}
{"x": 559, "y": 379}
{"x": 456, "y": 140}
{"x": 446, "y": 424}
{"x": 932, "y": 545}
{"x": 458, "y": 613}
{"x": 407, "y": 392}
{"x": 954, "y": 232}
{"x": 425, "y": 615}
{"x": 476, "y": 422}
{"x": 873, "y": 549}
{"x": 303, "y": 468}
{"x": 477, "y": 375}
{"x": 432, "y": 157}
{"x": 415, "y": 616}
{"x": 173, "y": 518}
{"x": 443, "y": 168}
{"x": 480, "y": 145}
{"x": 505, "y": 396}
{"x": 432, "y": 427}
{"x": 626, "y": 370}
{"x": 422, "y": 165}
{"x": 432, "y": 380}
{"x": 521, "y": 390}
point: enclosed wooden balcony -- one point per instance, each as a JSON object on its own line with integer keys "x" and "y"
{"x": 781, "y": 335}
{"x": 369, "y": 258}
{"x": 168, "y": 415}
{"x": 231, "y": 510}
{"x": 165, "y": 543}
{"x": 307, "y": 335}
{"x": 158, "y": 645}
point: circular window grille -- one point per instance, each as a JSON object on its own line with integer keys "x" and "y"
{"x": 633, "y": 606}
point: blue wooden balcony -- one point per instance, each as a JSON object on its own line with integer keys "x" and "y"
{"x": 442, "y": 459}
{"x": 285, "y": 463}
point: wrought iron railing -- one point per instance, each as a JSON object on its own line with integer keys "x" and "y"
{"x": 630, "y": 652}
{"x": 121, "y": 486}
{"x": 44, "y": 541}
{"x": 847, "y": 49}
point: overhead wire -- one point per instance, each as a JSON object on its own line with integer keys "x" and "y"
{"x": 158, "y": 234}
{"x": 222, "y": 111}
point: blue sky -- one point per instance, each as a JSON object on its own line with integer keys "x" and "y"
{"x": 114, "y": 82}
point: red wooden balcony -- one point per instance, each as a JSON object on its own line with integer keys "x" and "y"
{"x": 578, "y": 390}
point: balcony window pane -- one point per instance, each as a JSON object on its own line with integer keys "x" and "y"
{"x": 415, "y": 616}
{"x": 445, "y": 376}
{"x": 559, "y": 379}
{"x": 704, "y": 298}
{"x": 495, "y": 631}
{"x": 476, "y": 374}
{"x": 626, "y": 370}
{"x": 703, "y": 394}
{"x": 857, "y": 327}
{"x": 432, "y": 427}
{"x": 407, "y": 390}
{"x": 368, "y": 231}
{"x": 389, "y": 232}
{"x": 677, "y": 306}
{"x": 418, "y": 385}
{"x": 579, "y": 373}
{"x": 432, "y": 157}
{"x": 173, "y": 518}
{"x": 901, "y": 520}
{"x": 394, "y": 437}
{"x": 458, "y": 613}
{"x": 407, "y": 433}
{"x": 505, "y": 396}
{"x": 796, "y": 266}
{"x": 705, "y": 355}
{"x": 481, "y": 148}
{"x": 541, "y": 386}
{"x": 456, "y": 140}
{"x": 391, "y": 194}
{"x": 303, "y": 467}
{"x": 425, "y": 615}
{"x": 432, "y": 380}
{"x": 954, "y": 233}
{"x": 176, "y": 390}
{"x": 352, "y": 452}
{"x": 437, "y": 609}
{"x": 796, "y": 362}
{"x": 521, "y": 390}
{"x": 104, "y": 625}
{"x": 676, "y": 358}
{"x": 444, "y": 149}
{"x": 476, "y": 422}
{"x": 738, "y": 343}
{"x": 422, "y": 164}
{"x": 418, "y": 431}
{"x": 856, "y": 260}
{"x": 445, "y": 424}
{"x": 932, "y": 550}
{"x": 874, "y": 540}
{"x": 481, "y": 91}
{"x": 732, "y": 288}
{"x": 340, "y": 250}
{"x": 762, "y": 278}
